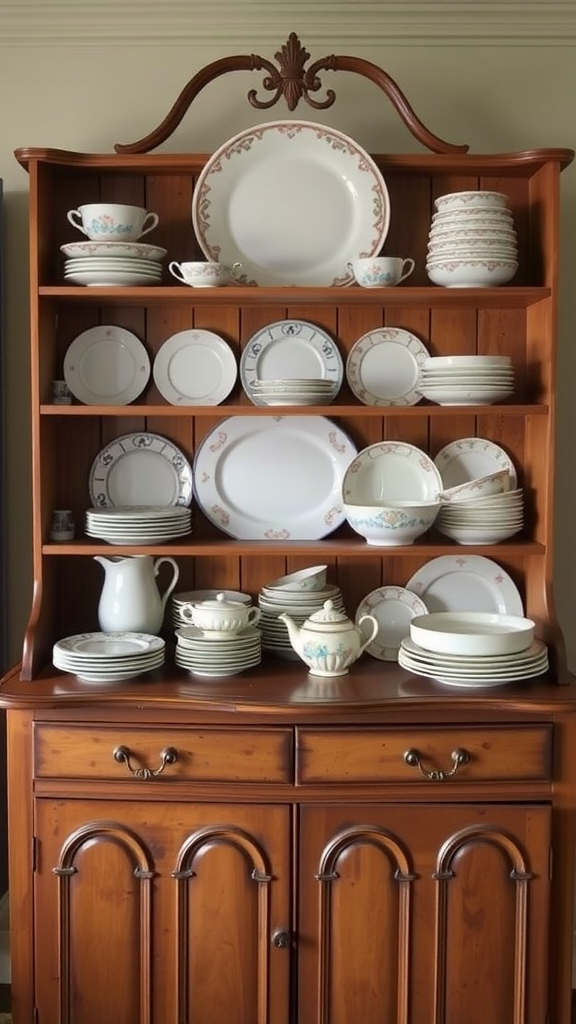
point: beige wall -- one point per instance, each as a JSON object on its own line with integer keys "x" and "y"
{"x": 498, "y": 76}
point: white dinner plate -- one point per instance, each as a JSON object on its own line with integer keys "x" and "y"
{"x": 293, "y": 201}
{"x": 273, "y": 477}
{"x": 195, "y": 368}
{"x": 383, "y": 367}
{"x": 109, "y": 645}
{"x": 106, "y": 365}
{"x": 466, "y": 583}
{"x": 110, "y": 278}
{"x": 393, "y": 471}
{"x": 393, "y": 608}
{"x": 140, "y": 469}
{"x": 470, "y": 458}
{"x": 290, "y": 350}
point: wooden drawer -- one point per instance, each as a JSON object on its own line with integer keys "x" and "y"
{"x": 494, "y": 754}
{"x": 203, "y": 755}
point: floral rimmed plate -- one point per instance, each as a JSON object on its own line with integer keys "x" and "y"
{"x": 393, "y": 608}
{"x": 140, "y": 469}
{"x": 293, "y": 201}
{"x": 383, "y": 367}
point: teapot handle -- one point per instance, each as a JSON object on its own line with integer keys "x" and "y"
{"x": 375, "y": 628}
{"x": 164, "y": 597}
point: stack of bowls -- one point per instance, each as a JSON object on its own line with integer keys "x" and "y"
{"x": 300, "y": 594}
{"x": 472, "y": 241}
{"x": 482, "y": 511}
{"x": 466, "y": 380}
{"x": 301, "y": 391}
{"x": 475, "y": 649}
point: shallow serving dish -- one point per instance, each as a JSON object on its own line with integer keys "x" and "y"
{"x": 472, "y": 633}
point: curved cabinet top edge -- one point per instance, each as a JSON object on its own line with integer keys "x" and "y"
{"x": 529, "y": 159}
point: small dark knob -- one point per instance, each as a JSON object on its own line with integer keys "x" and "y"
{"x": 281, "y": 940}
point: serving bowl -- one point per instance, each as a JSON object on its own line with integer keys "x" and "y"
{"x": 472, "y": 634}
{"x": 471, "y": 198}
{"x": 395, "y": 523}
{"x": 471, "y": 273}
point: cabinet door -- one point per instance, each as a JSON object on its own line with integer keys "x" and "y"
{"x": 159, "y": 913}
{"x": 423, "y": 914}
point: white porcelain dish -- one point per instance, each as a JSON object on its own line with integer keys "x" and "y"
{"x": 110, "y": 278}
{"x": 106, "y": 365}
{"x": 470, "y": 458}
{"x": 140, "y": 469}
{"x": 321, "y": 201}
{"x": 195, "y": 367}
{"x": 273, "y": 477}
{"x": 458, "y": 670}
{"x": 393, "y": 524}
{"x": 469, "y": 583}
{"x": 472, "y": 633}
{"x": 393, "y": 608}
{"x": 470, "y": 198}
{"x": 290, "y": 350}
{"x": 391, "y": 471}
{"x": 383, "y": 367}
{"x": 312, "y": 578}
{"x": 121, "y": 250}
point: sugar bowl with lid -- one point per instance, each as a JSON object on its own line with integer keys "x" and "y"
{"x": 219, "y": 617}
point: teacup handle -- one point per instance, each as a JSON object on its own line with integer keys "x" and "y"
{"x": 72, "y": 215}
{"x": 149, "y": 223}
{"x": 408, "y": 265}
{"x": 176, "y": 271}
{"x": 375, "y": 626}
{"x": 254, "y": 614}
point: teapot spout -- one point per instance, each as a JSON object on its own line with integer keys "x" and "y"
{"x": 293, "y": 629}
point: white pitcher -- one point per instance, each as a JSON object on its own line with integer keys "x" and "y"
{"x": 130, "y": 600}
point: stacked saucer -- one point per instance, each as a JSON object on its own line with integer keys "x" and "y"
{"x": 180, "y": 601}
{"x": 482, "y": 520}
{"x": 112, "y": 264}
{"x": 138, "y": 524}
{"x": 466, "y": 380}
{"x": 202, "y": 653}
{"x": 108, "y": 657}
{"x": 299, "y": 391}
{"x": 472, "y": 240}
{"x": 299, "y": 604}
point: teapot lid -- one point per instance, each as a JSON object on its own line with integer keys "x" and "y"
{"x": 329, "y": 616}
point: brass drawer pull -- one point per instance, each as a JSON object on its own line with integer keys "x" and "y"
{"x": 167, "y": 756}
{"x": 459, "y": 758}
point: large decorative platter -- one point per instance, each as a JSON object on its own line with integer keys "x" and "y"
{"x": 195, "y": 368}
{"x": 466, "y": 583}
{"x": 470, "y": 458}
{"x": 106, "y": 365}
{"x": 273, "y": 478}
{"x": 290, "y": 350}
{"x": 140, "y": 469}
{"x": 383, "y": 367}
{"x": 293, "y": 201}
{"x": 391, "y": 471}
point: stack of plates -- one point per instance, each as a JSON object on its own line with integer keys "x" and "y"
{"x": 484, "y": 520}
{"x": 273, "y": 601}
{"x": 214, "y": 657}
{"x": 184, "y": 598}
{"x": 473, "y": 649}
{"x": 299, "y": 391}
{"x": 112, "y": 264}
{"x": 467, "y": 380}
{"x": 107, "y": 657}
{"x": 139, "y": 524}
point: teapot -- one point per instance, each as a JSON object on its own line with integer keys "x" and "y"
{"x": 130, "y": 600}
{"x": 329, "y": 642}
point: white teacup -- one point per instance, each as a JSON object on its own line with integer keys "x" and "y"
{"x": 381, "y": 271}
{"x": 112, "y": 222}
{"x": 203, "y": 273}
{"x": 220, "y": 618}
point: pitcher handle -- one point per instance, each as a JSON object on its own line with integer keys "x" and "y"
{"x": 173, "y": 581}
